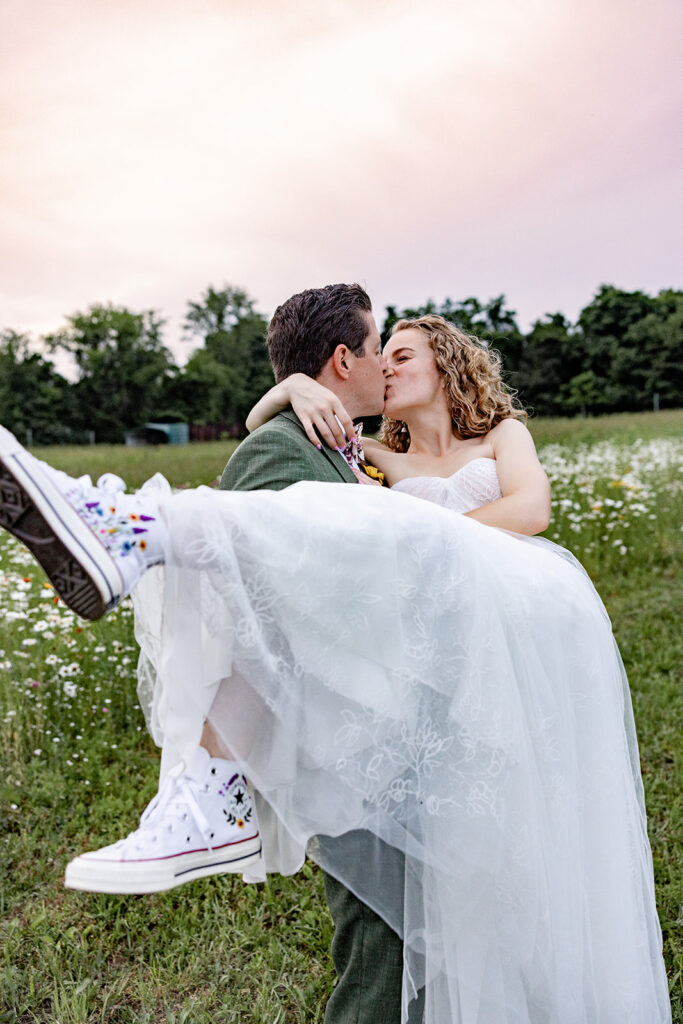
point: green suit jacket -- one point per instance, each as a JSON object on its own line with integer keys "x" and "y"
{"x": 279, "y": 454}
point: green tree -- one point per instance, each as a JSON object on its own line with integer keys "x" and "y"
{"x": 604, "y": 326}
{"x": 650, "y": 362}
{"x": 584, "y": 393}
{"x": 34, "y": 397}
{"x": 122, "y": 365}
{"x": 492, "y": 322}
{"x": 469, "y": 315}
{"x": 551, "y": 359}
{"x": 224, "y": 378}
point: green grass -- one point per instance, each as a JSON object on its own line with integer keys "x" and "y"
{"x": 625, "y": 427}
{"x": 195, "y": 464}
{"x": 219, "y": 951}
{"x": 184, "y": 465}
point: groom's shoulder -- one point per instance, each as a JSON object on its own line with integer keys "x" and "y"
{"x": 274, "y": 456}
{"x": 283, "y": 430}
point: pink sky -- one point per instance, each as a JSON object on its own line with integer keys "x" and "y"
{"x": 425, "y": 149}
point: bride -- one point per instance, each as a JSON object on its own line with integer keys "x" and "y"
{"x": 376, "y": 661}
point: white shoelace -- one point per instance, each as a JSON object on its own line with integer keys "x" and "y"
{"x": 173, "y": 801}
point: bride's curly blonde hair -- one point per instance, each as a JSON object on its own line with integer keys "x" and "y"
{"x": 477, "y": 396}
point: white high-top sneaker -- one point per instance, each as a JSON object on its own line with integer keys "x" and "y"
{"x": 201, "y": 822}
{"x": 94, "y": 543}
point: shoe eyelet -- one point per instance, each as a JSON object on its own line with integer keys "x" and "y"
{"x": 188, "y": 839}
{"x": 213, "y": 771}
{"x": 207, "y": 788}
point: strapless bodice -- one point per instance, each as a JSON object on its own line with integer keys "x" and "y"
{"x": 473, "y": 485}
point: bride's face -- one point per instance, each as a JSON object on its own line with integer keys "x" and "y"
{"x": 412, "y": 380}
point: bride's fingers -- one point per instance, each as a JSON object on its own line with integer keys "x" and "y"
{"x": 344, "y": 421}
{"x": 322, "y": 430}
{"x": 327, "y": 424}
{"x": 334, "y": 423}
{"x": 331, "y": 430}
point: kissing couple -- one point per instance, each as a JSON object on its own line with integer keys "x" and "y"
{"x": 396, "y": 679}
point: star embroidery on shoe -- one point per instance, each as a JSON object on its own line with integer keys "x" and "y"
{"x": 239, "y": 796}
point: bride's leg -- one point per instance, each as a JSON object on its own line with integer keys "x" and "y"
{"x": 203, "y": 820}
{"x": 94, "y": 543}
{"x": 213, "y": 744}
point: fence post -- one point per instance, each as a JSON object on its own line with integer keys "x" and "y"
{"x": 91, "y": 437}
{"x": 655, "y": 402}
{"x": 29, "y": 437}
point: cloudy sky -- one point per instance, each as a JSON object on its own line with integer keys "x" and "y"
{"x": 424, "y": 148}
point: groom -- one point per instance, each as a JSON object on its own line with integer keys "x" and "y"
{"x": 330, "y": 334}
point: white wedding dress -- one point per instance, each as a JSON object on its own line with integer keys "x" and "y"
{"x": 382, "y": 663}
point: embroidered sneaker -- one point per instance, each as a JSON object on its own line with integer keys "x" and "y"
{"x": 94, "y": 543}
{"x": 201, "y": 822}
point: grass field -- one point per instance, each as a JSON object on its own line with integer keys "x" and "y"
{"x": 78, "y": 765}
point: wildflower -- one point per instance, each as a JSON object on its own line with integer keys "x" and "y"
{"x": 69, "y": 670}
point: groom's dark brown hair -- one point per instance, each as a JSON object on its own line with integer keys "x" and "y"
{"x": 306, "y": 329}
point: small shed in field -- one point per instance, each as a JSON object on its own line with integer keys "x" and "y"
{"x": 159, "y": 433}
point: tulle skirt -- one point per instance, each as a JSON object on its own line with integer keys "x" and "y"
{"x": 447, "y": 697}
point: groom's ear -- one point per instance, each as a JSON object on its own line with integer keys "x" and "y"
{"x": 340, "y": 362}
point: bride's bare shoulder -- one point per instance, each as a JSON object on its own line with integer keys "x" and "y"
{"x": 390, "y": 463}
{"x": 380, "y": 454}
{"x": 509, "y": 432}
{"x": 372, "y": 445}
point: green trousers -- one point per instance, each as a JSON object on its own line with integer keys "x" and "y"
{"x": 368, "y": 957}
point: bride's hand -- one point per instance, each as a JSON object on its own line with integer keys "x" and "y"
{"x": 316, "y": 406}
{"x": 319, "y": 409}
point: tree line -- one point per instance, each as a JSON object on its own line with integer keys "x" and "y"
{"x": 623, "y": 353}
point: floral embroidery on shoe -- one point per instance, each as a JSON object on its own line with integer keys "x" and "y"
{"x": 122, "y": 536}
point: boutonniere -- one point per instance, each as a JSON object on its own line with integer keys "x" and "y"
{"x": 353, "y": 449}
{"x": 373, "y": 473}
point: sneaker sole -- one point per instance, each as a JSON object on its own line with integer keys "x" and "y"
{"x": 135, "y": 878}
{"x": 77, "y": 564}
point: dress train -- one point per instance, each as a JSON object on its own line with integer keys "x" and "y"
{"x": 383, "y": 665}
